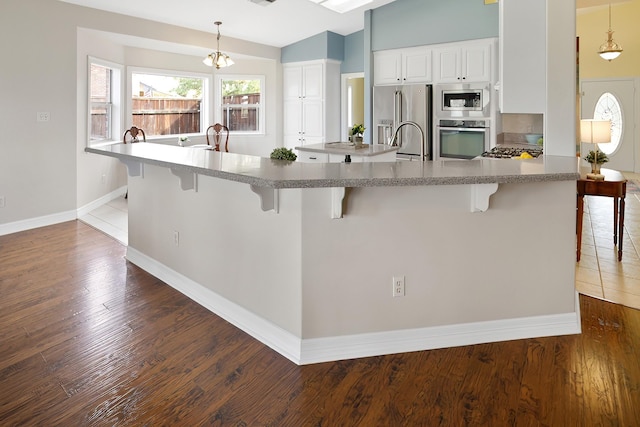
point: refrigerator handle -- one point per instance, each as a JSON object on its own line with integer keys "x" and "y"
{"x": 397, "y": 113}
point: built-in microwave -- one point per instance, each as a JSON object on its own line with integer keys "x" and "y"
{"x": 463, "y": 100}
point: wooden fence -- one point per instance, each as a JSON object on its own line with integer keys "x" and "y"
{"x": 166, "y": 116}
{"x": 171, "y": 116}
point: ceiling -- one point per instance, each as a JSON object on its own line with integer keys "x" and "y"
{"x": 278, "y": 24}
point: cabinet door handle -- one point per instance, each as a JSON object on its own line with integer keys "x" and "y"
{"x": 313, "y": 158}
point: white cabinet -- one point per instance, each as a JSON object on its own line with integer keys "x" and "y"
{"x": 522, "y": 50}
{"x": 400, "y": 66}
{"x": 308, "y": 89}
{"x": 468, "y": 61}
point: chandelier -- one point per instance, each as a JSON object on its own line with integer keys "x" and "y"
{"x": 217, "y": 58}
{"x": 610, "y": 49}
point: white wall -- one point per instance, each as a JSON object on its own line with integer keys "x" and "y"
{"x": 318, "y": 277}
{"x": 226, "y": 243}
{"x": 90, "y": 185}
{"x": 44, "y": 175}
{"x": 560, "y": 116}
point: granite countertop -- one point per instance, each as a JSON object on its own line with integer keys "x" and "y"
{"x": 266, "y": 172}
{"x": 348, "y": 148}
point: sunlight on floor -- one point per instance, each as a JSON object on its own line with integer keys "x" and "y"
{"x": 111, "y": 219}
{"x": 599, "y": 274}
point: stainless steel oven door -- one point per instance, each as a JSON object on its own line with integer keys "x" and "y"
{"x": 461, "y": 143}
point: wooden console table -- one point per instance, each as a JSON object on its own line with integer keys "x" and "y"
{"x": 614, "y": 185}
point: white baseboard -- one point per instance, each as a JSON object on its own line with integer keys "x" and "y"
{"x": 375, "y": 344}
{"x": 119, "y": 192}
{"x": 264, "y": 331}
{"x": 308, "y": 351}
{"x": 41, "y": 221}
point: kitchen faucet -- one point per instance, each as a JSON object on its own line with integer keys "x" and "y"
{"x": 394, "y": 140}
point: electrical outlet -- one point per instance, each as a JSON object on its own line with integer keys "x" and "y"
{"x": 42, "y": 116}
{"x": 398, "y": 286}
{"x": 104, "y": 178}
{"x": 3, "y": 202}
{"x": 176, "y": 238}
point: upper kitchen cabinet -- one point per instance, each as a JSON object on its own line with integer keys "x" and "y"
{"x": 522, "y": 51}
{"x": 400, "y": 66}
{"x": 303, "y": 81}
{"x": 311, "y": 92}
{"x": 468, "y": 61}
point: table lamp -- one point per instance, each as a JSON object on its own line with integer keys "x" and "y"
{"x": 595, "y": 132}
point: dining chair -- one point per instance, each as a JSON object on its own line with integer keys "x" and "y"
{"x": 217, "y": 133}
{"x": 133, "y": 133}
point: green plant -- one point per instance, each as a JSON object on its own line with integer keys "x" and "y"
{"x": 283, "y": 154}
{"x": 357, "y": 130}
{"x": 591, "y": 157}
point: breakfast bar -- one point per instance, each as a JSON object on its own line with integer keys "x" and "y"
{"x": 304, "y": 256}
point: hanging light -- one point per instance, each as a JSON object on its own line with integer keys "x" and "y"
{"x": 610, "y": 49}
{"x": 217, "y": 58}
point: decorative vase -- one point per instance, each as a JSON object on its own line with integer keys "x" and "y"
{"x": 595, "y": 168}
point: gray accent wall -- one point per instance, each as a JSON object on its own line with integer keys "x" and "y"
{"x": 405, "y": 23}
{"x": 326, "y": 45}
{"x": 353, "y": 53}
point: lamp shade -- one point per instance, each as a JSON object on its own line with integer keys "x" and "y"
{"x": 595, "y": 131}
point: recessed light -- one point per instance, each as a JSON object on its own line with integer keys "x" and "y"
{"x": 342, "y": 6}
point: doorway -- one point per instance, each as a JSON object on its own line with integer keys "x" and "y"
{"x": 612, "y": 100}
{"x": 352, "y": 102}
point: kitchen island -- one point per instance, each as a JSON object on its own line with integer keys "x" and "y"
{"x": 486, "y": 247}
{"x": 338, "y": 152}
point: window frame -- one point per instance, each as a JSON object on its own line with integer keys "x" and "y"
{"x": 218, "y": 116}
{"x": 205, "y": 106}
{"x": 116, "y": 104}
{"x": 617, "y": 120}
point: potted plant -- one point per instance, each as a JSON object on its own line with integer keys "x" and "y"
{"x": 283, "y": 154}
{"x": 596, "y": 159}
{"x": 355, "y": 134}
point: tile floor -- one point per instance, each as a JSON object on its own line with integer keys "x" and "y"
{"x": 598, "y": 274}
{"x": 111, "y": 218}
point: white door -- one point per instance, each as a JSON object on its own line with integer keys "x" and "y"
{"x": 612, "y": 100}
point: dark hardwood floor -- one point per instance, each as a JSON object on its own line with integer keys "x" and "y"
{"x": 87, "y": 339}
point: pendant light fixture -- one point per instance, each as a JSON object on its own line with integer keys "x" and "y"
{"x": 217, "y": 58}
{"x": 610, "y": 49}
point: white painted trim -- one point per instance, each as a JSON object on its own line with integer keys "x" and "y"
{"x": 84, "y": 210}
{"x": 264, "y": 331}
{"x": 41, "y": 221}
{"x": 317, "y": 350}
{"x": 375, "y": 344}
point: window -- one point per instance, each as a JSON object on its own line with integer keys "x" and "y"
{"x": 608, "y": 108}
{"x": 104, "y": 90}
{"x": 166, "y": 103}
{"x": 240, "y": 101}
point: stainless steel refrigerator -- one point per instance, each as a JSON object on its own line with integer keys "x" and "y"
{"x": 393, "y": 105}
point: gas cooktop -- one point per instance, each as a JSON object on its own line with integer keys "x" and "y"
{"x": 509, "y": 152}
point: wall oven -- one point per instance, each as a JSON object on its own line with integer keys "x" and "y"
{"x": 461, "y": 139}
{"x": 459, "y": 100}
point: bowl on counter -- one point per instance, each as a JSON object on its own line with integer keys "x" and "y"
{"x": 532, "y": 138}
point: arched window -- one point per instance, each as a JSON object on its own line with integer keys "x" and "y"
{"x": 608, "y": 108}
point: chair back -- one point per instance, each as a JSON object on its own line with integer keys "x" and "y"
{"x": 133, "y": 133}
{"x": 217, "y": 131}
